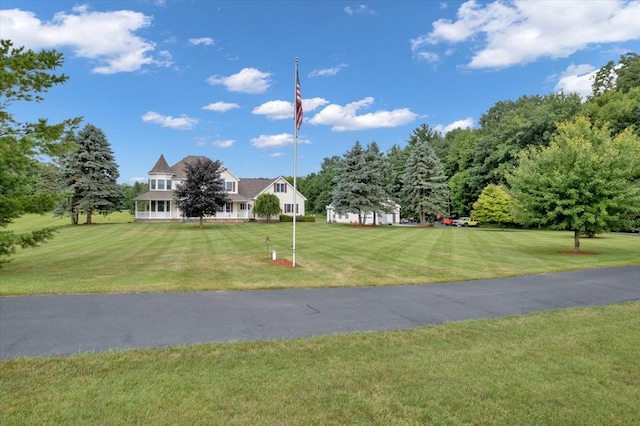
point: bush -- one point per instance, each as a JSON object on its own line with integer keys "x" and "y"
{"x": 306, "y": 218}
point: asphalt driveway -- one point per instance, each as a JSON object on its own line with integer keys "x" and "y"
{"x": 63, "y": 325}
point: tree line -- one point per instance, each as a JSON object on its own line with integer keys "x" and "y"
{"x": 550, "y": 161}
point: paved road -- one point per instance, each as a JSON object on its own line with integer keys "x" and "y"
{"x": 63, "y": 325}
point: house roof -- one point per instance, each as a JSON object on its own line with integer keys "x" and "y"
{"x": 161, "y": 166}
{"x": 248, "y": 188}
{"x": 155, "y": 195}
{"x": 251, "y": 188}
{"x": 178, "y": 168}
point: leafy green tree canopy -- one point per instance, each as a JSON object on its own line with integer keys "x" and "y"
{"x": 24, "y": 76}
{"x": 267, "y": 205}
{"x": 202, "y": 193}
{"x": 586, "y": 181}
{"x": 493, "y": 205}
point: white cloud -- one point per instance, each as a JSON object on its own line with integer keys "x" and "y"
{"x": 577, "y": 79}
{"x": 466, "y": 123}
{"x": 272, "y": 141}
{"x": 220, "y": 106}
{"x": 520, "y": 31}
{"x": 345, "y": 118}
{"x": 224, "y": 144}
{"x": 282, "y": 110}
{"x": 138, "y": 179}
{"x": 179, "y": 123}
{"x": 248, "y": 80}
{"x": 276, "y": 141}
{"x": 106, "y": 37}
{"x": 207, "y": 41}
{"x": 360, "y": 9}
{"x": 276, "y": 155}
{"x": 327, "y": 71}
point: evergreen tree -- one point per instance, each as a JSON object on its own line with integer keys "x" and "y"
{"x": 89, "y": 177}
{"x": 350, "y": 190}
{"x": 425, "y": 188}
{"x": 397, "y": 158}
{"x": 202, "y": 193}
{"x": 378, "y": 174}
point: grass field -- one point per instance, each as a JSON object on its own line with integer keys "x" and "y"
{"x": 573, "y": 367}
{"x": 116, "y": 255}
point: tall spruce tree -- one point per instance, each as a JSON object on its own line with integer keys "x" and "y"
{"x": 89, "y": 177}
{"x": 425, "y": 187}
{"x": 202, "y": 193}
{"x": 350, "y": 190}
{"x": 379, "y": 177}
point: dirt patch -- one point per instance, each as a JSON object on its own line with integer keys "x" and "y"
{"x": 283, "y": 262}
{"x": 582, "y": 253}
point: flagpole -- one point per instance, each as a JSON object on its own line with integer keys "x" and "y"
{"x": 295, "y": 159}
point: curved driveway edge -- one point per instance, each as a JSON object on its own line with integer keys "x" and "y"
{"x": 64, "y": 325}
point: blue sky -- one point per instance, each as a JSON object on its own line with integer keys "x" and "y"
{"x": 217, "y": 78}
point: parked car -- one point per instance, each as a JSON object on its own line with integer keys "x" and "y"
{"x": 448, "y": 220}
{"x": 465, "y": 221}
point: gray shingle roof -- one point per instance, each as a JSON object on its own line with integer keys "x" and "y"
{"x": 178, "y": 168}
{"x": 161, "y": 166}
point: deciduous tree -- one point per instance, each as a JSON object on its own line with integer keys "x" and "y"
{"x": 267, "y": 205}
{"x": 24, "y": 76}
{"x": 202, "y": 193}
{"x": 493, "y": 206}
{"x": 585, "y": 181}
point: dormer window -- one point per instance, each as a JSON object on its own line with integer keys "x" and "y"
{"x": 169, "y": 184}
{"x": 161, "y": 184}
{"x": 230, "y": 186}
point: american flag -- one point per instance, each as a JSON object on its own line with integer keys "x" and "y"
{"x": 298, "y": 111}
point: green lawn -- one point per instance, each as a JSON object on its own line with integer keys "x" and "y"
{"x": 572, "y": 367}
{"x": 117, "y": 255}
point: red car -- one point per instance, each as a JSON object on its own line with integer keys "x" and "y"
{"x": 447, "y": 220}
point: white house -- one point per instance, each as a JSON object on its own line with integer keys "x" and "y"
{"x": 390, "y": 217}
{"x": 158, "y": 203}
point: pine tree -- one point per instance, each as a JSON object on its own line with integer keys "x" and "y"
{"x": 379, "y": 177}
{"x": 350, "y": 191}
{"x": 425, "y": 187}
{"x": 89, "y": 177}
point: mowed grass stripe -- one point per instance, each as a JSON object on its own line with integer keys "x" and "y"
{"x": 143, "y": 257}
{"x": 572, "y": 367}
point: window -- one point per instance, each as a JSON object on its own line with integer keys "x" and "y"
{"x": 230, "y": 186}
{"x": 243, "y": 207}
{"x": 160, "y": 205}
{"x": 153, "y": 206}
{"x": 161, "y": 184}
{"x": 153, "y": 184}
{"x": 288, "y": 208}
{"x": 280, "y": 187}
{"x": 168, "y": 184}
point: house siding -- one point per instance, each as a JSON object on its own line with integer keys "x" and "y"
{"x": 240, "y": 191}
